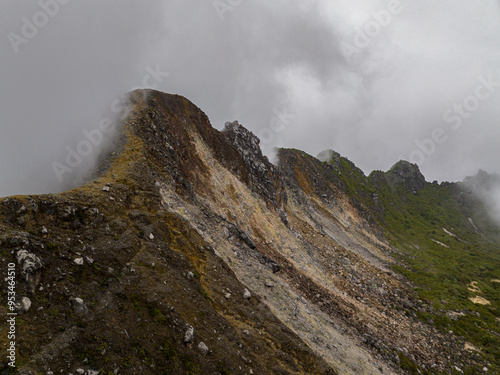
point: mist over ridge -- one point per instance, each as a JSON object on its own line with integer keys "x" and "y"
{"x": 376, "y": 81}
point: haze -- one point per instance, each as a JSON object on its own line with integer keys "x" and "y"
{"x": 376, "y": 81}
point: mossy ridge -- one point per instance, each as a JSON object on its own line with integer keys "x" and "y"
{"x": 414, "y": 220}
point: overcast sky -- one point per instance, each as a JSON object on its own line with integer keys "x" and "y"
{"x": 376, "y": 81}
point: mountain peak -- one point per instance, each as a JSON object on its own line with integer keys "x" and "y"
{"x": 408, "y": 174}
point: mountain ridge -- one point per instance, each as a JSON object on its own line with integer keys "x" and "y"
{"x": 191, "y": 236}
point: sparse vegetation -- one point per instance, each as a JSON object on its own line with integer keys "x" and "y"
{"x": 441, "y": 251}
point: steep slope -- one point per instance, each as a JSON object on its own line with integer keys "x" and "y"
{"x": 300, "y": 268}
{"x": 115, "y": 274}
{"x": 446, "y": 241}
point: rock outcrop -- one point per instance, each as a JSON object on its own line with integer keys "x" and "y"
{"x": 408, "y": 175}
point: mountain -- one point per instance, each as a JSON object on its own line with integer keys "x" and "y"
{"x": 190, "y": 253}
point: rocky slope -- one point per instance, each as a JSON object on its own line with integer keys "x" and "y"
{"x": 191, "y": 253}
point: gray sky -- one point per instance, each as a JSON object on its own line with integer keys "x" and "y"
{"x": 376, "y": 81}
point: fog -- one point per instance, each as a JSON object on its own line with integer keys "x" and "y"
{"x": 486, "y": 188}
{"x": 376, "y": 81}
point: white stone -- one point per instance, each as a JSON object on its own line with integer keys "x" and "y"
{"x": 203, "y": 348}
{"x": 189, "y": 334}
{"x": 28, "y": 262}
{"x": 24, "y": 305}
{"x": 79, "y": 306}
{"x": 79, "y": 261}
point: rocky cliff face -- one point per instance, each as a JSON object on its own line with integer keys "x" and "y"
{"x": 191, "y": 253}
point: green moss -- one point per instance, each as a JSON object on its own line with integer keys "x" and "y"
{"x": 222, "y": 368}
{"x": 407, "y": 364}
{"x": 136, "y": 305}
{"x": 414, "y": 222}
{"x": 157, "y": 315}
{"x": 169, "y": 350}
{"x": 191, "y": 367}
{"x": 80, "y": 216}
{"x": 205, "y": 294}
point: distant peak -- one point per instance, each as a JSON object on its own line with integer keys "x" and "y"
{"x": 409, "y": 174}
{"x": 405, "y": 166}
{"x": 483, "y": 180}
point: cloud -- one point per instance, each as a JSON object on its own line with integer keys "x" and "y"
{"x": 248, "y": 63}
{"x": 63, "y": 80}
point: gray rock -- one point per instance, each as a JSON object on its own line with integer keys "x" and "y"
{"x": 24, "y": 305}
{"x": 203, "y": 348}
{"x": 189, "y": 334}
{"x": 78, "y": 261}
{"x": 269, "y": 284}
{"x": 454, "y": 315}
{"x": 275, "y": 267}
{"x": 247, "y": 294}
{"x": 262, "y": 174}
{"x": 190, "y": 275}
{"x": 28, "y": 262}
{"x": 79, "y": 306}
